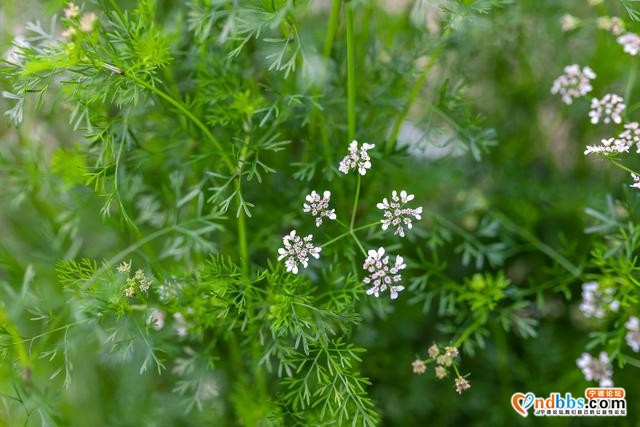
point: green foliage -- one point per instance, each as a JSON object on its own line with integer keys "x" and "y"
{"x": 156, "y": 152}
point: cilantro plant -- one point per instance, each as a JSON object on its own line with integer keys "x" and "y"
{"x": 285, "y": 212}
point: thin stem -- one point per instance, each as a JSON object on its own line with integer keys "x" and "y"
{"x": 413, "y": 95}
{"x": 351, "y": 72}
{"x": 620, "y": 165}
{"x": 355, "y": 203}
{"x": 184, "y": 110}
{"x": 347, "y": 233}
{"x": 242, "y": 227}
{"x": 358, "y": 243}
{"x": 467, "y": 332}
{"x": 332, "y": 24}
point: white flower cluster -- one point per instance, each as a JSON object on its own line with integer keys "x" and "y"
{"x": 139, "y": 280}
{"x": 622, "y": 144}
{"x": 382, "y": 275}
{"x": 630, "y": 43}
{"x": 574, "y": 83}
{"x": 396, "y": 215}
{"x": 297, "y": 250}
{"x": 319, "y": 206}
{"x": 609, "y": 109}
{"x": 357, "y": 158}
{"x": 613, "y": 24}
{"x": 633, "y": 333}
{"x": 636, "y": 181}
{"x": 596, "y": 302}
{"x": 569, "y": 22}
{"x": 596, "y": 369}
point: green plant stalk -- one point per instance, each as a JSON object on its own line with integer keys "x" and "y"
{"x": 355, "y": 202}
{"x": 332, "y": 25}
{"x": 351, "y": 72}
{"x": 348, "y": 233}
{"x": 620, "y": 165}
{"x": 184, "y": 110}
{"x": 242, "y": 226}
{"x": 413, "y": 95}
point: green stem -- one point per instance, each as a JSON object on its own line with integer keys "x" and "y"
{"x": 351, "y": 71}
{"x": 334, "y": 13}
{"x": 364, "y": 252}
{"x": 467, "y": 332}
{"x": 350, "y": 232}
{"x": 355, "y": 202}
{"x": 184, "y": 110}
{"x": 413, "y": 95}
{"x": 620, "y": 165}
{"x": 242, "y": 226}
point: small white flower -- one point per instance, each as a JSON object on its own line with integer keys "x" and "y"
{"x": 574, "y": 83}
{"x": 319, "y": 206}
{"x": 124, "y": 267}
{"x": 596, "y": 369}
{"x": 569, "y": 22}
{"x": 156, "y": 319}
{"x": 71, "y": 11}
{"x": 633, "y": 334}
{"x": 357, "y": 158}
{"x": 621, "y": 144}
{"x": 381, "y": 274}
{"x": 462, "y": 384}
{"x": 143, "y": 281}
{"x": 613, "y": 24}
{"x": 636, "y": 181}
{"x": 596, "y": 302}
{"x": 297, "y": 250}
{"x": 630, "y": 42}
{"x": 609, "y": 108}
{"x": 396, "y": 215}
{"x": 181, "y": 325}
{"x": 87, "y": 22}
{"x": 129, "y": 291}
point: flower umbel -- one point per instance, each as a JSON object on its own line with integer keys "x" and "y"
{"x": 381, "y": 274}
{"x": 297, "y": 250}
{"x": 462, "y": 384}
{"x": 396, "y": 215}
{"x": 609, "y": 109}
{"x": 574, "y": 83}
{"x": 596, "y": 369}
{"x": 621, "y": 144}
{"x": 71, "y": 11}
{"x": 357, "y": 158}
{"x": 319, "y": 206}
{"x": 630, "y": 43}
{"x": 418, "y": 366}
{"x": 633, "y": 333}
{"x": 597, "y": 302}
